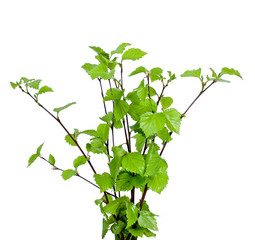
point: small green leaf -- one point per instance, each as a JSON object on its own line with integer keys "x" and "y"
{"x": 133, "y": 97}
{"x": 58, "y": 110}
{"x": 230, "y": 71}
{"x": 107, "y": 75}
{"x": 52, "y": 160}
{"x": 116, "y": 228}
{"x": 147, "y": 220}
{"x": 138, "y": 70}
{"x": 166, "y": 102}
{"x": 105, "y": 228}
{"x": 98, "y": 50}
{"x": 149, "y": 105}
{"x": 132, "y": 214}
{"x": 104, "y": 181}
{"x": 192, "y": 73}
{"x": 134, "y": 162}
{"x": 45, "y": 89}
{"x": 97, "y": 71}
{"x": 156, "y": 74}
{"x": 32, "y": 159}
{"x": 88, "y": 67}
{"x": 107, "y": 118}
{"x": 140, "y": 141}
{"x": 173, "y": 120}
{"x": 136, "y": 231}
{"x": 69, "y": 140}
{"x": 115, "y": 165}
{"x": 152, "y": 123}
{"x": 91, "y": 132}
{"x": 34, "y": 84}
{"x": 148, "y": 233}
{"x": 68, "y": 174}
{"x": 113, "y": 206}
{"x": 38, "y": 151}
{"x": 120, "y": 109}
{"x": 133, "y": 54}
{"x": 79, "y": 161}
{"x": 214, "y": 73}
{"x": 14, "y": 85}
{"x": 158, "y": 182}
{"x": 118, "y": 151}
{"x": 164, "y": 135}
{"x": 124, "y": 182}
{"x": 103, "y": 131}
{"x": 120, "y": 49}
{"x": 113, "y": 94}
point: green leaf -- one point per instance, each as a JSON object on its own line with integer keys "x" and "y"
{"x": 97, "y": 146}
{"x": 154, "y": 163}
{"x": 133, "y": 97}
{"x": 138, "y": 70}
{"x": 118, "y": 151}
{"x": 156, "y": 74}
{"x": 113, "y": 206}
{"x": 38, "y": 151}
{"x": 147, "y": 220}
{"x": 173, "y": 120}
{"x": 134, "y": 162}
{"x": 120, "y": 109}
{"x": 107, "y": 75}
{"x": 51, "y": 160}
{"x": 158, "y": 182}
{"x": 103, "y": 131}
{"x": 171, "y": 76}
{"x": 116, "y": 228}
{"x": 138, "y": 181}
{"x": 113, "y": 94}
{"x": 133, "y": 54}
{"x": 137, "y": 231}
{"x": 124, "y": 182}
{"x": 132, "y": 214}
{"x": 107, "y": 118}
{"x": 69, "y": 140}
{"x": 120, "y": 49}
{"x": 98, "y": 50}
{"x": 45, "y": 89}
{"x": 149, "y": 105}
{"x": 79, "y": 161}
{"x": 32, "y": 159}
{"x": 140, "y": 141}
{"x": 91, "y": 132}
{"x": 68, "y": 174}
{"x": 115, "y": 165}
{"x": 166, "y": 102}
{"x": 105, "y": 228}
{"x": 104, "y": 181}
{"x": 58, "y": 110}
{"x": 148, "y": 233}
{"x": 152, "y": 123}
{"x": 136, "y": 110}
{"x": 34, "y": 84}
{"x": 214, "y": 73}
{"x": 192, "y": 73}
{"x": 88, "y": 67}
{"x": 152, "y": 91}
{"x": 230, "y": 71}
{"x": 97, "y": 71}
{"x": 14, "y": 85}
{"x": 164, "y": 135}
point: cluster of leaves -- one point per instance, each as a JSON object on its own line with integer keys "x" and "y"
{"x": 153, "y": 122}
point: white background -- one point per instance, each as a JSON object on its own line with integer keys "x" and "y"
{"x": 210, "y": 194}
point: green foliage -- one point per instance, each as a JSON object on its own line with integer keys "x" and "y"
{"x": 133, "y": 54}
{"x": 68, "y": 174}
{"x": 143, "y": 118}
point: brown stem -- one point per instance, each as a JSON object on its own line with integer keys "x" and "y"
{"x": 161, "y": 94}
{"x": 143, "y": 196}
{"x": 148, "y": 80}
{"x": 102, "y": 93}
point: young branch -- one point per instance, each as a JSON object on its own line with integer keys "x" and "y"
{"x": 102, "y": 93}
{"x": 148, "y": 80}
{"x": 161, "y": 94}
{"x": 77, "y": 174}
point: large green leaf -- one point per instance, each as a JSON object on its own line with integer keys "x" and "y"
{"x": 164, "y": 135}
{"x": 173, "y": 120}
{"x": 133, "y": 54}
{"x": 58, "y": 110}
{"x": 136, "y": 231}
{"x": 147, "y": 220}
{"x": 133, "y": 97}
{"x": 138, "y": 70}
{"x": 104, "y": 181}
{"x": 152, "y": 123}
{"x": 230, "y": 71}
{"x": 113, "y": 94}
{"x": 113, "y": 206}
{"x": 132, "y": 214}
{"x": 154, "y": 163}
{"x": 68, "y": 174}
{"x": 158, "y": 182}
{"x": 166, "y": 102}
{"x": 120, "y": 109}
{"x": 149, "y": 105}
{"x": 116, "y": 228}
{"x": 134, "y": 162}
{"x": 79, "y": 161}
{"x": 124, "y": 182}
{"x": 192, "y": 73}
{"x": 103, "y": 131}
{"x": 120, "y": 49}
